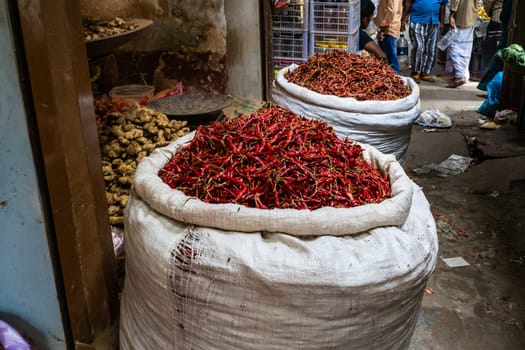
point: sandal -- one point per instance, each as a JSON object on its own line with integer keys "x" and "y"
{"x": 415, "y": 76}
{"x": 428, "y": 78}
{"x": 456, "y": 82}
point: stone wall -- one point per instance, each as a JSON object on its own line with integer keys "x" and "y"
{"x": 243, "y": 57}
{"x": 187, "y": 42}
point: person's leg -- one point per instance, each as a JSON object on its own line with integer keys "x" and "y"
{"x": 417, "y": 39}
{"x": 460, "y": 50}
{"x": 449, "y": 67}
{"x": 467, "y": 52}
{"x": 388, "y": 45}
{"x": 430, "y": 52}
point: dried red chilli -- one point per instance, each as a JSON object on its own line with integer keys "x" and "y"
{"x": 274, "y": 159}
{"x": 342, "y": 74}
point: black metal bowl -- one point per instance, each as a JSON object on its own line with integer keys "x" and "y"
{"x": 105, "y": 45}
{"x": 196, "y": 109}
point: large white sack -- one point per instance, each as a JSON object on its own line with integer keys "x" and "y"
{"x": 191, "y": 285}
{"x": 327, "y": 220}
{"x": 385, "y": 125}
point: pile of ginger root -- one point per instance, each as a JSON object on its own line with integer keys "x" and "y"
{"x": 126, "y": 135}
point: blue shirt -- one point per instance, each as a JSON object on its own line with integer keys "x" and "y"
{"x": 426, "y": 11}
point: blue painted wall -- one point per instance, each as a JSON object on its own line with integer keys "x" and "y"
{"x": 28, "y": 296}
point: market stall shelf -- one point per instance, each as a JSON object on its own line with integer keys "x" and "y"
{"x": 323, "y": 42}
{"x": 334, "y": 17}
{"x": 292, "y": 17}
{"x": 290, "y": 45}
{"x": 334, "y": 26}
{"x": 290, "y": 34}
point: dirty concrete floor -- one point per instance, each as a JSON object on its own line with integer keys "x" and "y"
{"x": 480, "y": 217}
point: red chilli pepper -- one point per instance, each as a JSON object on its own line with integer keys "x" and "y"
{"x": 343, "y": 74}
{"x": 274, "y": 158}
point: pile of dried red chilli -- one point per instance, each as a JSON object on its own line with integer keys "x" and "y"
{"x": 342, "y": 74}
{"x": 274, "y": 159}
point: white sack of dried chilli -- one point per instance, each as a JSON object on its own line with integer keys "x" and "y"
{"x": 274, "y": 158}
{"x": 128, "y": 133}
{"x": 344, "y": 74}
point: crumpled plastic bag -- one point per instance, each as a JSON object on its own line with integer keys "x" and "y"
{"x": 433, "y": 118}
{"x": 10, "y": 339}
{"x": 453, "y": 165}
